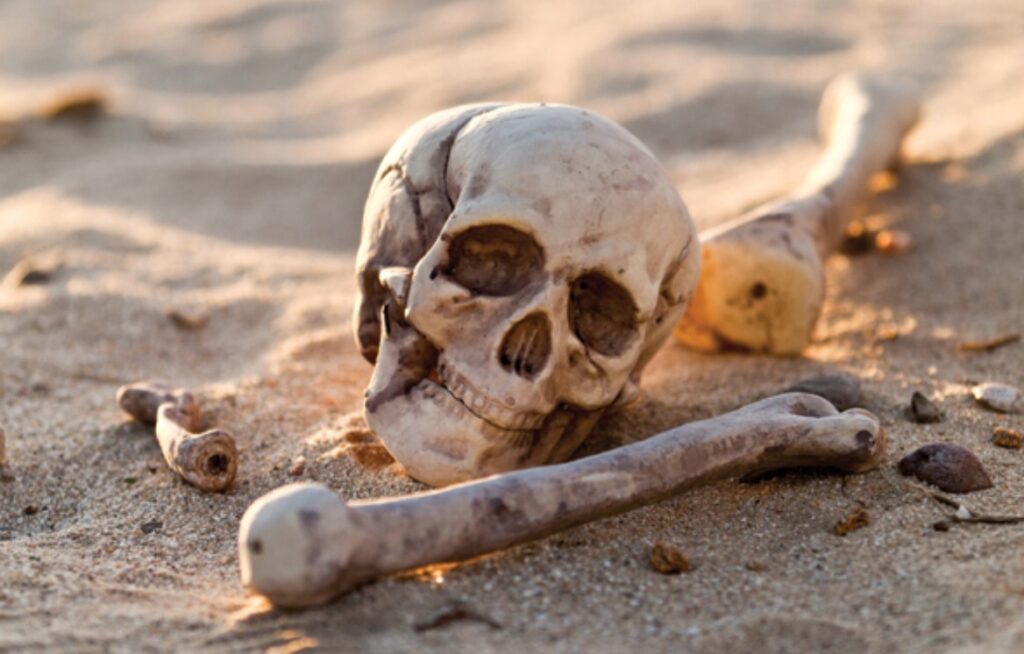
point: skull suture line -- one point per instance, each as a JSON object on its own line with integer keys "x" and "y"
{"x": 519, "y": 266}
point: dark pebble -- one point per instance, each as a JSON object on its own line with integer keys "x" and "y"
{"x": 150, "y": 526}
{"x": 952, "y": 468}
{"x": 923, "y": 409}
{"x": 31, "y": 509}
{"x": 941, "y": 525}
{"x": 843, "y": 391}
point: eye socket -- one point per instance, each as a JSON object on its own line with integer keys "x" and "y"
{"x": 602, "y": 314}
{"x": 494, "y": 260}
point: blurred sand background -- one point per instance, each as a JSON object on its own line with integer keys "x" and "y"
{"x": 228, "y": 179}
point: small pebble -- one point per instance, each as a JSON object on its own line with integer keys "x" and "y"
{"x": 841, "y": 390}
{"x": 963, "y": 513}
{"x": 669, "y": 560}
{"x": 31, "y": 509}
{"x": 857, "y": 519}
{"x": 941, "y": 525}
{"x": 1009, "y": 438}
{"x": 150, "y": 526}
{"x": 999, "y": 397}
{"x": 952, "y": 468}
{"x": 923, "y": 410}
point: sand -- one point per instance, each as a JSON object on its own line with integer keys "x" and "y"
{"x": 227, "y": 179}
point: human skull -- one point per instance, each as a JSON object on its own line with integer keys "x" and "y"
{"x": 525, "y": 262}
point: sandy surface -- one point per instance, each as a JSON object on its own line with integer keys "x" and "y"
{"x": 228, "y": 180}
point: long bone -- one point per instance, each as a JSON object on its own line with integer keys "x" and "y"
{"x": 762, "y": 280}
{"x": 303, "y": 544}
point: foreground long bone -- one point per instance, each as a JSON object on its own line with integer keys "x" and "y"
{"x": 208, "y": 460}
{"x": 762, "y": 281}
{"x": 302, "y": 544}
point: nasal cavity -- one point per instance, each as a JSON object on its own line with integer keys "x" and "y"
{"x": 527, "y": 346}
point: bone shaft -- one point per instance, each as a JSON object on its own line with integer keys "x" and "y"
{"x": 863, "y": 126}
{"x": 487, "y": 515}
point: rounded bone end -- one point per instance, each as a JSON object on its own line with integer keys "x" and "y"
{"x": 295, "y": 545}
{"x": 758, "y": 291}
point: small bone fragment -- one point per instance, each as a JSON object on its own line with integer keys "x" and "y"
{"x": 762, "y": 281}
{"x": 999, "y": 397}
{"x": 923, "y": 410}
{"x": 841, "y": 390}
{"x": 302, "y": 544}
{"x": 206, "y": 460}
{"x": 951, "y": 468}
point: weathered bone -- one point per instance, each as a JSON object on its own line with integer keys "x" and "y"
{"x": 762, "y": 281}
{"x": 302, "y": 544}
{"x": 206, "y": 460}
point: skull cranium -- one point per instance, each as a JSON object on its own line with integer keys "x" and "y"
{"x": 525, "y": 262}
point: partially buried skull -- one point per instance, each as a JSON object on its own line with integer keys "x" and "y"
{"x": 519, "y": 265}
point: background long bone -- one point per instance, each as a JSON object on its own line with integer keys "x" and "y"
{"x": 302, "y": 544}
{"x": 762, "y": 281}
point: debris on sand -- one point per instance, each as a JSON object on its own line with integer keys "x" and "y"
{"x": 990, "y": 344}
{"x": 923, "y": 410}
{"x": 186, "y": 321}
{"x": 1011, "y": 439}
{"x": 668, "y": 559}
{"x": 999, "y": 397}
{"x": 857, "y": 519}
{"x": 951, "y": 468}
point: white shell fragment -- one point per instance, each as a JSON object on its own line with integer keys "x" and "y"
{"x": 999, "y": 397}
